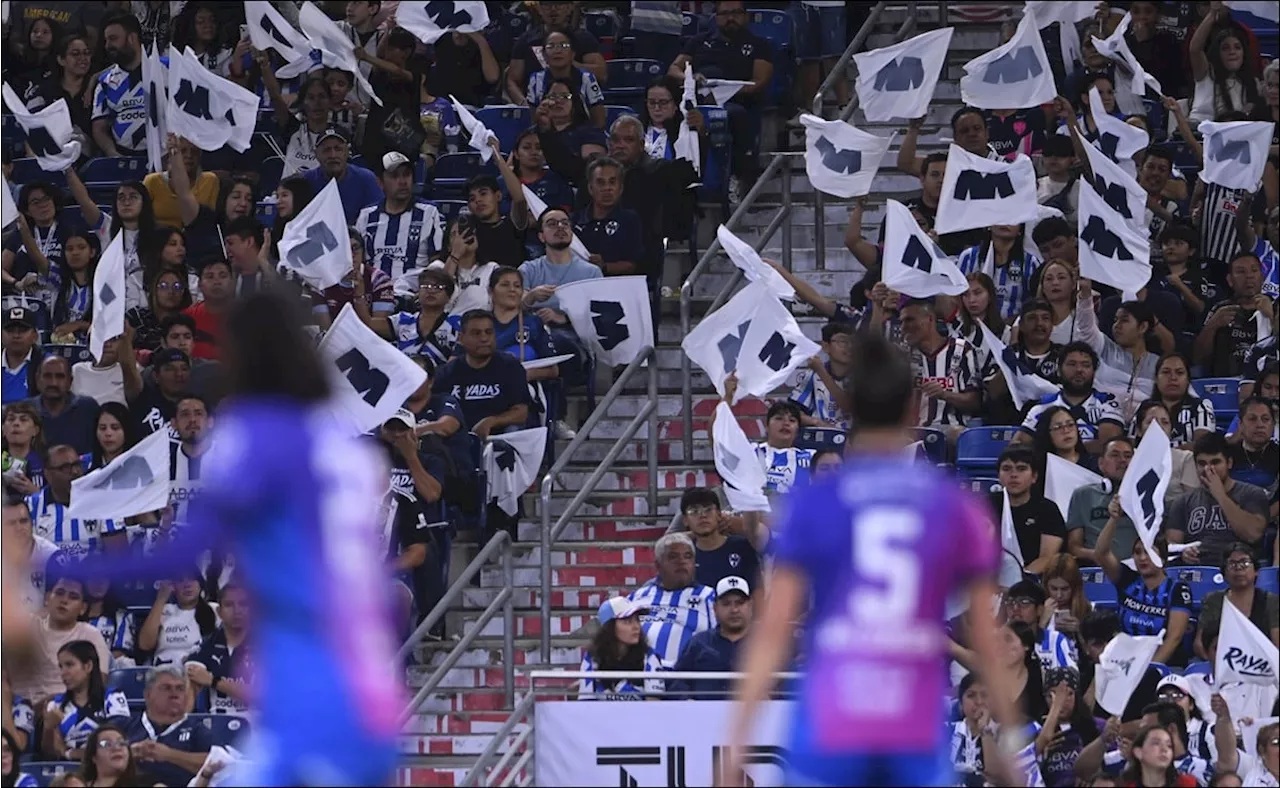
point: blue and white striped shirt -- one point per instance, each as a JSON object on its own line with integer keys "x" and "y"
{"x": 76, "y": 538}
{"x": 814, "y": 399}
{"x": 117, "y": 630}
{"x": 76, "y": 726}
{"x": 784, "y": 468}
{"x": 1013, "y": 281}
{"x": 1056, "y": 650}
{"x": 1264, "y": 251}
{"x": 674, "y": 617}
{"x": 438, "y": 346}
{"x": 397, "y": 242}
{"x": 121, "y": 96}
{"x": 623, "y": 689}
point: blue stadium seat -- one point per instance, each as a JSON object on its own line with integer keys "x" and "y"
{"x": 269, "y": 175}
{"x": 776, "y": 28}
{"x": 452, "y": 170}
{"x": 820, "y": 438}
{"x": 1198, "y": 668}
{"x": 1269, "y": 580}
{"x": 1203, "y": 581}
{"x": 266, "y": 212}
{"x": 935, "y": 444}
{"x": 614, "y": 111}
{"x": 134, "y": 594}
{"x": 715, "y": 170}
{"x": 690, "y": 24}
{"x": 102, "y": 176}
{"x": 978, "y": 448}
{"x": 980, "y": 485}
{"x": 226, "y": 727}
{"x": 12, "y": 136}
{"x": 75, "y": 354}
{"x": 449, "y": 209}
{"x": 1224, "y": 393}
{"x": 628, "y": 78}
{"x": 1098, "y": 589}
{"x": 506, "y": 121}
{"x": 605, "y": 26}
{"x": 46, "y": 772}
{"x": 130, "y": 681}
{"x": 28, "y": 170}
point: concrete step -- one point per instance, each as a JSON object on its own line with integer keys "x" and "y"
{"x": 636, "y": 528}
{"x": 614, "y": 576}
{"x": 569, "y": 599}
{"x": 637, "y": 479}
{"x": 528, "y": 624}
{"x": 606, "y": 503}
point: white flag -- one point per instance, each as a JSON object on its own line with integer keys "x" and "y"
{"x": 1066, "y": 13}
{"x": 108, "y": 296}
{"x": 1117, "y": 139}
{"x": 479, "y": 133}
{"x": 737, "y": 463}
{"x": 1117, "y": 188}
{"x": 898, "y": 81}
{"x": 429, "y": 21}
{"x": 511, "y": 461}
{"x": 326, "y": 41}
{"x": 1014, "y": 75}
{"x": 1116, "y": 48}
{"x": 1011, "y": 561}
{"x": 1023, "y": 382}
{"x": 315, "y": 243}
{"x": 1263, "y": 9}
{"x": 155, "y": 80}
{"x": 723, "y": 89}
{"x": 840, "y": 159}
{"x": 268, "y": 29}
{"x": 208, "y": 110}
{"x": 1142, "y": 490}
{"x": 8, "y": 208}
{"x": 913, "y": 262}
{"x": 978, "y": 192}
{"x": 1062, "y": 478}
{"x": 1111, "y": 250}
{"x": 48, "y": 131}
{"x": 371, "y": 378}
{"x": 753, "y": 335}
{"x": 613, "y": 315}
{"x": 1235, "y": 153}
{"x": 1121, "y": 667}
{"x": 1245, "y": 653}
{"x": 537, "y": 206}
{"x": 687, "y": 145}
{"x": 131, "y": 484}
{"x": 755, "y": 269}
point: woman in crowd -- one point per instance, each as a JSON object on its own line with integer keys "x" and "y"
{"x": 172, "y": 630}
{"x": 292, "y": 195}
{"x": 303, "y": 122}
{"x": 559, "y": 54}
{"x": 1271, "y": 92}
{"x": 86, "y": 704}
{"x": 31, "y": 253}
{"x": 523, "y": 335}
{"x": 1067, "y": 604}
{"x": 826, "y": 462}
{"x": 203, "y": 226}
{"x": 1223, "y": 69}
{"x": 197, "y": 27}
{"x": 11, "y": 776}
{"x": 1185, "y": 477}
{"x": 1150, "y": 761}
{"x": 1023, "y": 665}
{"x": 978, "y": 306}
{"x": 108, "y": 762}
{"x": 662, "y": 116}
{"x": 111, "y": 618}
{"x": 619, "y": 644}
{"x": 131, "y": 214}
{"x": 530, "y": 167}
{"x": 164, "y": 250}
{"x": 562, "y": 119}
{"x": 167, "y": 294}
{"x": 23, "y": 433}
{"x": 72, "y": 312}
{"x": 38, "y": 63}
{"x": 1176, "y": 689}
{"x": 973, "y": 734}
{"x": 1084, "y": 107}
{"x": 114, "y": 434}
{"x": 1058, "y": 433}
{"x": 1003, "y": 256}
{"x": 1240, "y": 570}
{"x": 1058, "y": 287}
{"x": 1067, "y": 728}
{"x": 1190, "y": 416}
{"x": 71, "y": 82}
{"x": 426, "y": 332}
{"x": 399, "y": 80}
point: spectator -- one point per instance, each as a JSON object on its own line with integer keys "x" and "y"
{"x": 662, "y": 116}
{"x": 22, "y": 353}
{"x": 306, "y": 125}
{"x": 167, "y": 296}
{"x": 1065, "y": 603}
{"x": 525, "y": 60}
{"x": 463, "y": 66}
{"x": 785, "y": 465}
{"x": 1223, "y": 69}
{"x": 155, "y": 403}
{"x": 12, "y": 776}
{"x": 250, "y": 269}
{"x": 184, "y": 158}
{"x": 1182, "y": 272}
{"x": 1025, "y": 602}
{"x": 1059, "y": 187}
{"x": 1084, "y": 121}
{"x": 1240, "y": 570}
{"x": 656, "y": 28}
{"x": 1068, "y": 728}
{"x": 820, "y": 390}
{"x": 192, "y": 426}
{"x": 563, "y": 124}
{"x": 23, "y": 448}
{"x": 559, "y": 56}
{"x": 944, "y": 370}
{"x": 173, "y": 630}
{"x": 1153, "y": 177}
{"x": 72, "y": 283}
{"x": 224, "y": 661}
{"x": 1177, "y": 690}
{"x": 978, "y": 306}
{"x": 1172, "y": 720}
{"x": 1057, "y": 433}
{"x": 109, "y": 760}
{"x": 491, "y": 387}
{"x": 469, "y": 276}
{"x": 611, "y": 233}
{"x": 399, "y": 79}
{"x": 556, "y": 268}
{"x": 1151, "y": 758}
{"x": 1156, "y": 49}
{"x": 821, "y": 37}
{"x": 100, "y": 380}
{"x": 1191, "y": 417}
{"x": 400, "y": 232}
{"x": 132, "y": 214}
{"x": 166, "y": 249}
{"x": 120, "y": 97}
{"x": 112, "y": 619}
{"x": 499, "y": 236}
{"x": 73, "y": 715}
{"x": 679, "y": 606}
{"x": 178, "y": 333}
{"x": 1097, "y": 413}
{"x": 196, "y": 26}
{"x": 717, "y": 554}
{"x": 362, "y": 26}
{"x": 29, "y": 549}
{"x": 1150, "y": 600}
{"x": 57, "y": 626}
{"x": 1266, "y": 766}
{"x": 369, "y": 290}
{"x": 357, "y": 186}
{"x": 1230, "y": 327}
{"x": 525, "y": 337}
{"x": 1123, "y": 356}
{"x": 30, "y": 255}
{"x": 969, "y": 127}
{"x": 85, "y": 20}
{"x": 1262, "y": 367}
{"x": 530, "y": 166}
{"x": 427, "y": 332}
{"x": 1222, "y": 510}
{"x": 75, "y": 538}
{"x": 1263, "y": 244}
{"x": 1088, "y": 511}
{"x": 619, "y": 644}
{"x": 931, "y": 170}
{"x": 170, "y": 745}
{"x": 1058, "y": 286}
{"x": 974, "y": 733}
{"x": 1255, "y": 458}
{"x": 1037, "y": 522}
{"x": 1012, "y": 268}
{"x": 1185, "y": 476}
{"x": 66, "y": 418}
{"x": 217, "y": 283}
{"x": 716, "y": 650}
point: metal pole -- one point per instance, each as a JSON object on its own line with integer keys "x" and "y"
{"x": 544, "y": 602}
{"x": 651, "y": 449}
{"x": 786, "y": 224}
{"x": 509, "y": 625}
{"x": 843, "y": 63}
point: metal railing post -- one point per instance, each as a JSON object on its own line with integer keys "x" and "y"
{"x": 651, "y": 448}
{"x": 509, "y": 625}
{"x": 842, "y": 64}
{"x": 787, "y": 240}
{"x": 544, "y": 592}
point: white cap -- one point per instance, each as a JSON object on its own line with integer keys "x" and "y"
{"x": 620, "y": 607}
{"x": 1174, "y": 680}
{"x": 731, "y": 583}
{"x": 394, "y": 159}
{"x": 405, "y": 417}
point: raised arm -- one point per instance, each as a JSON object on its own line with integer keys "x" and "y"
{"x": 519, "y": 212}
{"x": 180, "y": 182}
{"x": 88, "y": 208}
{"x": 1199, "y": 62}
{"x": 488, "y": 63}
{"x": 806, "y": 291}
{"x": 865, "y": 251}
{"x": 1102, "y": 548}
{"x": 1184, "y": 127}
{"x": 278, "y": 102}
{"x": 908, "y": 162}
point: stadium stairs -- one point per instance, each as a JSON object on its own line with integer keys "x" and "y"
{"x": 608, "y": 547}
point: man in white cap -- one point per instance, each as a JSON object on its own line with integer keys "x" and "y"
{"x": 619, "y": 645}
{"x": 716, "y": 650}
{"x": 401, "y": 233}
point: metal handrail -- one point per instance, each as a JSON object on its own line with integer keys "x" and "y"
{"x": 519, "y": 741}
{"x": 550, "y": 533}
{"x": 838, "y": 70}
{"x": 500, "y": 541}
{"x": 521, "y": 711}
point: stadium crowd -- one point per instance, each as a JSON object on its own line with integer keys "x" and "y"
{"x": 139, "y": 681}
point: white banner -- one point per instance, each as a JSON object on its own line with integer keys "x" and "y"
{"x": 208, "y": 110}
{"x": 723, "y": 89}
{"x": 899, "y": 81}
{"x": 108, "y": 297}
{"x": 1142, "y": 490}
{"x": 1011, "y": 561}
{"x": 1117, "y": 139}
{"x": 478, "y": 133}
{"x": 268, "y": 29}
{"x": 1111, "y": 251}
{"x": 755, "y": 269}
{"x": 371, "y": 378}
{"x": 613, "y": 315}
{"x": 429, "y": 21}
{"x": 1062, "y": 478}
{"x": 1235, "y": 153}
{"x": 155, "y": 80}
{"x": 1245, "y": 653}
{"x": 48, "y": 131}
{"x": 737, "y": 463}
{"x": 315, "y": 243}
{"x": 1117, "y": 188}
{"x": 753, "y": 335}
{"x": 687, "y": 145}
{"x": 1116, "y": 48}
{"x": 537, "y": 206}
{"x": 675, "y": 742}
{"x": 1014, "y": 75}
{"x": 327, "y": 41}
{"x": 913, "y": 262}
{"x": 511, "y": 461}
{"x": 840, "y": 159}
{"x": 8, "y": 208}
{"x": 1066, "y": 13}
{"x": 1023, "y": 382}
{"x": 979, "y": 192}
{"x": 133, "y": 483}
{"x": 1120, "y": 669}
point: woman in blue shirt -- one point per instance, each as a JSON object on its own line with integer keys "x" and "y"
{"x": 73, "y": 715}
{"x": 620, "y": 645}
{"x": 522, "y": 334}
{"x": 73, "y": 287}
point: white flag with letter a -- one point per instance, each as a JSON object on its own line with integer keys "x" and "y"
{"x": 48, "y": 131}
{"x": 108, "y": 297}
{"x": 978, "y": 192}
{"x": 511, "y": 461}
{"x": 898, "y": 81}
{"x": 208, "y": 110}
{"x": 1122, "y": 665}
{"x": 754, "y": 268}
{"x": 131, "y": 484}
{"x": 430, "y": 21}
{"x": 1244, "y": 652}
{"x": 753, "y": 335}
{"x": 1117, "y": 187}
{"x": 1014, "y": 75}
{"x": 1235, "y": 153}
{"x": 1023, "y": 383}
{"x": 1111, "y": 251}
{"x": 371, "y": 378}
{"x": 268, "y": 29}
{"x": 840, "y": 159}
{"x": 1144, "y": 485}
{"x": 315, "y": 243}
{"x": 913, "y": 262}
{"x": 737, "y": 463}
{"x": 1062, "y": 478}
{"x": 612, "y": 315}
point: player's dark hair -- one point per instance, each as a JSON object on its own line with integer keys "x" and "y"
{"x": 698, "y": 496}
{"x": 504, "y": 270}
{"x": 610, "y": 653}
{"x": 131, "y": 25}
{"x": 244, "y": 228}
{"x": 84, "y": 651}
{"x": 1180, "y": 231}
{"x": 1159, "y": 152}
{"x": 1140, "y": 312}
{"x": 1210, "y": 443}
{"x": 1035, "y": 305}
{"x": 881, "y": 383}
{"x": 960, "y": 113}
{"x": 266, "y": 352}
{"x": 177, "y": 319}
{"x": 933, "y": 158}
{"x": 1035, "y": 676}
{"x": 439, "y": 277}
{"x": 128, "y": 423}
{"x": 1254, "y": 402}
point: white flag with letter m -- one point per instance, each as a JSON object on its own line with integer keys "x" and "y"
{"x": 315, "y": 243}
{"x": 371, "y": 378}
{"x": 511, "y": 461}
{"x": 1144, "y": 485}
{"x": 108, "y": 297}
{"x": 131, "y": 484}
{"x": 612, "y": 315}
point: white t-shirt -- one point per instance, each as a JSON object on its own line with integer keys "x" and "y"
{"x": 179, "y": 634}
{"x": 472, "y": 288}
{"x": 135, "y": 293}
{"x": 300, "y": 153}
{"x": 33, "y": 592}
{"x": 1205, "y": 100}
{"x": 102, "y": 385}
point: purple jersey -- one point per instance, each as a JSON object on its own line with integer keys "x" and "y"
{"x": 883, "y": 545}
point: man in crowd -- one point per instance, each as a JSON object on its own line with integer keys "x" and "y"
{"x": 416, "y": 514}
{"x": 1256, "y": 458}
{"x": 217, "y": 283}
{"x": 400, "y": 232}
{"x": 1057, "y": 240}
{"x": 1025, "y": 601}
{"x": 499, "y": 236}
{"x": 64, "y": 604}
{"x": 1221, "y": 510}
{"x": 611, "y": 233}
{"x": 716, "y": 650}
{"x": 101, "y": 380}
{"x": 1097, "y": 413}
{"x": 155, "y": 403}
{"x": 944, "y": 369}
{"x": 1230, "y": 326}
{"x": 167, "y": 743}
{"x": 204, "y": 186}
{"x": 1034, "y": 349}
{"x": 244, "y": 239}
{"x": 679, "y": 606}
{"x": 194, "y": 425}
{"x": 39, "y": 555}
{"x": 554, "y": 269}
{"x": 1087, "y": 511}
{"x": 178, "y": 332}
{"x": 357, "y": 186}
{"x": 66, "y": 418}
{"x": 51, "y": 520}
{"x": 224, "y": 661}
{"x": 1036, "y": 520}
{"x": 490, "y": 386}
{"x": 549, "y": 16}
{"x": 1157, "y": 168}
{"x": 120, "y": 97}
{"x": 717, "y": 554}
{"x": 819, "y": 390}
{"x": 22, "y": 353}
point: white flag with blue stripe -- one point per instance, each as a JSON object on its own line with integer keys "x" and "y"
{"x": 899, "y": 81}
{"x": 108, "y": 297}
{"x": 134, "y": 483}
{"x": 1023, "y": 382}
{"x": 268, "y": 29}
{"x": 1143, "y": 488}
{"x": 511, "y": 461}
{"x": 839, "y": 159}
{"x": 48, "y": 131}
{"x": 155, "y": 80}
{"x": 913, "y": 262}
{"x": 1235, "y": 153}
{"x": 315, "y": 244}
{"x": 736, "y": 462}
{"x": 371, "y": 378}
{"x": 978, "y": 192}
{"x": 430, "y": 21}
{"x": 1014, "y": 75}
{"x": 1117, "y": 139}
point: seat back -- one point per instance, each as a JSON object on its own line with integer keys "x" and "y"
{"x": 980, "y": 485}
{"x": 980, "y": 447}
{"x": 1097, "y": 588}
{"x": 226, "y": 728}
{"x": 449, "y": 209}
{"x": 818, "y": 438}
{"x": 453, "y": 170}
{"x": 935, "y": 444}
{"x": 629, "y": 77}
{"x": 130, "y": 681}
{"x": 1224, "y": 393}
{"x": 1203, "y": 580}
{"x": 45, "y": 772}
{"x": 28, "y": 171}
{"x": 1269, "y": 580}
{"x": 615, "y": 111}
{"x": 506, "y": 121}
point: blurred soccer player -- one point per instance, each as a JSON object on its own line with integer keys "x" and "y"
{"x": 880, "y": 546}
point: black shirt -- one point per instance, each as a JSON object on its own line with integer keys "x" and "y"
{"x": 616, "y": 237}
{"x": 152, "y": 409}
{"x": 1007, "y": 134}
{"x": 489, "y": 391}
{"x": 1258, "y": 468}
{"x": 717, "y": 57}
{"x": 1038, "y": 516}
{"x": 458, "y": 71}
{"x": 735, "y": 558}
{"x": 408, "y": 517}
{"x": 1231, "y": 343}
{"x": 186, "y": 735}
{"x": 226, "y": 663}
{"x": 499, "y": 242}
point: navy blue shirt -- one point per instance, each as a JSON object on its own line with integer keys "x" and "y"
{"x": 530, "y": 331}
{"x": 74, "y": 426}
{"x": 1146, "y": 611}
{"x": 706, "y": 652}
{"x": 616, "y": 237}
{"x": 717, "y": 57}
{"x": 735, "y": 558}
{"x": 358, "y": 188}
{"x": 185, "y": 735}
{"x": 493, "y": 389}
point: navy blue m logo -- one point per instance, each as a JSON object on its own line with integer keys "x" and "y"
{"x": 845, "y": 162}
{"x": 1017, "y": 66}
{"x": 899, "y": 76}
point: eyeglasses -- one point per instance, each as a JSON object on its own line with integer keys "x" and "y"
{"x": 128, "y": 196}
{"x": 66, "y": 467}
{"x": 1240, "y": 563}
{"x": 699, "y": 511}
{"x": 558, "y": 45}
{"x": 39, "y": 199}
{"x": 659, "y": 102}
{"x": 112, "y": 744}
{"x": 1022, "y": 601}
{"x": 1070, "y": 425}
{"x": 434, "y": 287}
{"x": 177, "y": 287}
{"x": 559, "y": 96}
{"x": 553, "y": 223}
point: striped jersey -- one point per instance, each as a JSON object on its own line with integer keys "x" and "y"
{"x": 1145, "y": 611}
{"x": 1218, "y": 238}
{"x": 121, "y": 96}
{"x": 24, "y": 719}
{"x": 1097, "y": 409}
{"x": 396, "y": 242}
{"x": 588, "y": 88}
{"x": 1056, "y": 650}
{"x": 1155, "y": 226}
{"x": 76, "y": 538}
{"x": 118, "y": 630}
{"x": 1012, "y": 280}
{"x": 674, "y": 617}
{"x": 184, "y": 480}
{"x": 438, "y": 345}
{"x": 952, "y": 366}
{"x": 812, "y": 396}
{"x": 42, "y": 553}
{"x": 1189, "y": 415}
{"x": 966, "y": 750}
{"x": 1259, "y": 355}
{"x": 784, "y": 468}
{"x": 1264, "y": 251}
{"x": 78, "y": 723}
{"x": 620, "y": 689}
